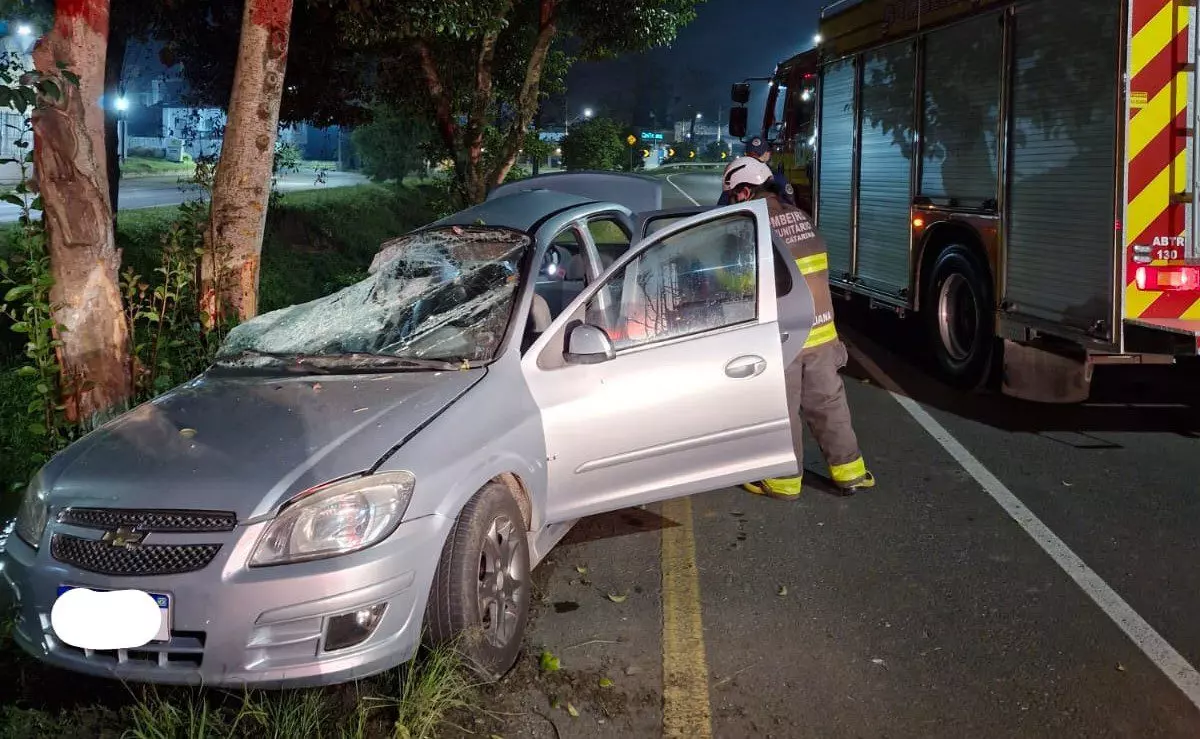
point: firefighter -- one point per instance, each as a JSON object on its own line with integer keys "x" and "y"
{"x": 759, "y": 149}
{"x": 814, "y": 387}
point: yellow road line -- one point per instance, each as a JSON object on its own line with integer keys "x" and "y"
{"x": 686, "y": 710}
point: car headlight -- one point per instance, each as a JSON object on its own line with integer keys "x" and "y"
{"x": 33, "y": 514}
{"x": 336, "y": 519}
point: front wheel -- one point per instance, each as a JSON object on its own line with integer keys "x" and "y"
{"x": 482, "y": 590}
{"x": 959, "y": 311}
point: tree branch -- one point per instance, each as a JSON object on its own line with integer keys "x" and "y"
{"x": 477, "y": 122}
{"x": 530, "y": 88}
{"x": 443, "y": 114}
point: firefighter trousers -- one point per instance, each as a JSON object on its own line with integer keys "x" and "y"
{"x": 816, "y": 395}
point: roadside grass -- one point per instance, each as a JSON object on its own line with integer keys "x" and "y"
{"x": 150, "y": 167}
{"x": 415, "y": 701}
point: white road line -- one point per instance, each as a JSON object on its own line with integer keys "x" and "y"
{"x": 1173, "y": 665}
{"x": 680, "y": 189}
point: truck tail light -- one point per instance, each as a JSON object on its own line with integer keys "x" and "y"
{"x": 1168, "y": 278}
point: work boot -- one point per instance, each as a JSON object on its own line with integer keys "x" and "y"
{"x": 780, "y": 488}
{"x": 852, "y": 476}
{"x": 865, "y": 482}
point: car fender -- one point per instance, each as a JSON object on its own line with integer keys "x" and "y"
{"x": 492, "y": 430}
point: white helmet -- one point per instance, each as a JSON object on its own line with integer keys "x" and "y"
{"x": 746, "y": 171}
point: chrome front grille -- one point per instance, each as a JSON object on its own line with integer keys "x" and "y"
{"x": 175, "y": 522}
{"x": 99, "y": 556}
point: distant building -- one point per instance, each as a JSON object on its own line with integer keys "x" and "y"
{"x": 706, "y": 133}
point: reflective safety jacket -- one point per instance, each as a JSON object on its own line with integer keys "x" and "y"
{"x": 808, "y": 251}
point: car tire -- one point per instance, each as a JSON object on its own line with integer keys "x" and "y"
{"x": 959, "y": 317}
{"x": 482, "y": 589}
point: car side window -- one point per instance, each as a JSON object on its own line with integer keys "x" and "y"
{"x": 701, "y": 279}
{"x": 610, "y": 237}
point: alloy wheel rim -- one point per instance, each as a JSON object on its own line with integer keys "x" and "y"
{"x": 501, "y": 587}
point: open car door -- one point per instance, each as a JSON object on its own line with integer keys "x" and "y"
{"x": 666, "y": 377}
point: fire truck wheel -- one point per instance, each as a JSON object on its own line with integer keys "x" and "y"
{"x": 958, "y": 316}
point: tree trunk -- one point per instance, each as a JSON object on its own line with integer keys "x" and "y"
{"x": 527, "y": 101}
{"x": 114, "y": 66}
{"x": 70, "y": 166}
{"x": 242, "y": 182}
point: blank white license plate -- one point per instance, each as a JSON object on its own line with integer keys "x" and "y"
{"x": 164, "y": 608}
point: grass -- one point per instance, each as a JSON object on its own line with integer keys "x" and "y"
{"x": 414, "y": 701}
{"x": 150, "y": 167}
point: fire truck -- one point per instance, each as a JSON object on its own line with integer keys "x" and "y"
{"x": 1019, "y": 175}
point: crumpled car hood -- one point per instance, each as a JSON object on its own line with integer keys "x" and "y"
{"x": 247, "y": 444}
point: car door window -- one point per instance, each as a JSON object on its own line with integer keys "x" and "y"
{"x": 610, "y": 237}
{"x": 564, "y": 271}
{"x": 657, "y": 224}
{"x": 698, "y": 280}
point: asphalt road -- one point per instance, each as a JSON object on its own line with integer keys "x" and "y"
{"x": 151, "y": 192}
{"x": 1020, "y": 571}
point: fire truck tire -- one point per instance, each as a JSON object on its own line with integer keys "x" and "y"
{"x": 958, "y": 317}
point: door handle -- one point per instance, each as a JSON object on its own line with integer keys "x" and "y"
{"x": 743, "y": 367}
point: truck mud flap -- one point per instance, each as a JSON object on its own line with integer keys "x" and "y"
{"x": 1043, "y": 375}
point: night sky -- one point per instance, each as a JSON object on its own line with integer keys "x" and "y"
{"x": 729, "y": 41}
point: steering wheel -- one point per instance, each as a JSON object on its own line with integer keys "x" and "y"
{"x": 554, "y": 262}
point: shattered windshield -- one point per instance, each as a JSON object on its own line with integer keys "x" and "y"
{"x": 432, "y": 298}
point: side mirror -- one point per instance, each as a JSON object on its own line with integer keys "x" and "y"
{"x": 740, "y": 93}
{"x": 588, "y": 344}
{"x": 737, "y": 122}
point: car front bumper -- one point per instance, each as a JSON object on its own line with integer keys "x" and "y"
{"x": 234, "y": 626}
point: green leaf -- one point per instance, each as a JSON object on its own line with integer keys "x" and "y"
{"x": 549, "y": 663}
{"x": 20, "y": 327}
{"x": 572, "y": 710}
{"x": 13, "y": 198}
{"x": 37, "y": 429}
{"x": 42, "y": 388}
{"x": 605, "y": 682}
{"x": 27, "y": 371}
{"x": 617, "y": 598}
{"x": 17, "y": 293}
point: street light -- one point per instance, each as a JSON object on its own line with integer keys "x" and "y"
{"x": 817, "y": 40}
{"x": 122, "y": 104}
{"x": 24, "y": 30}
{"x": 587, "y": 112}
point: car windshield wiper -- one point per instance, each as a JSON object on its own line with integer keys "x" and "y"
{"x": 326, "y": 363}
{"x": 245, "y": 358}
{"x": 366, "y": 362}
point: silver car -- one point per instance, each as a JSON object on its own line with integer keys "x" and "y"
{"x": 389, "y": 462}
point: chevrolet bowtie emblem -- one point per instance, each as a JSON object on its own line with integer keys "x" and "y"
{"x": 124, "y": 537}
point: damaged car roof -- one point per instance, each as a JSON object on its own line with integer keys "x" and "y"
{"x": 523, "y": 210}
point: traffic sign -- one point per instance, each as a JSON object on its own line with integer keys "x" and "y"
{"x": 692, "y": 154}
{"x": 632, "y": 139}
{"x": 645, "y": 153}
{"x": 723, "y": 155}
{"x": 670, "y": 152}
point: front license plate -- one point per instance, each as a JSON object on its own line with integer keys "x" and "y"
{"x": 164, "y": 609}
